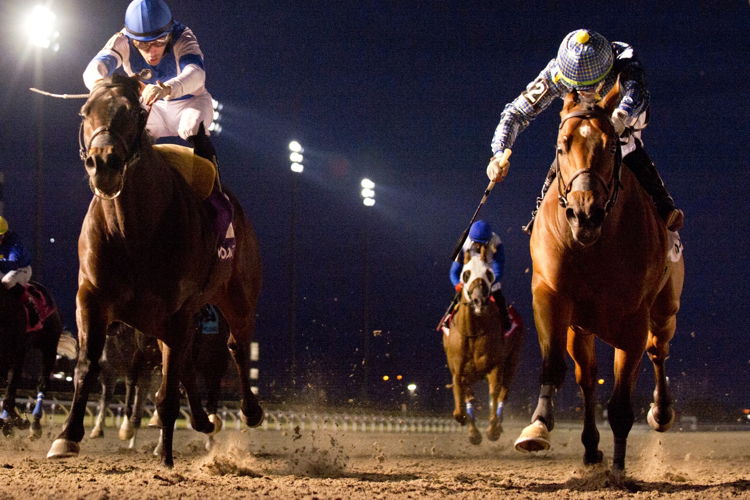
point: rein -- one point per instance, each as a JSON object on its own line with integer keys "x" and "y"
{"x": 612, "y": 187}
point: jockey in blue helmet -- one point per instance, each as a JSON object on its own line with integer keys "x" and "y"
{"x": 152, "y": 39}
{"x": 15, "y": 259}
{"x": 590, "y": 65}
{"x": 480, "y": 234}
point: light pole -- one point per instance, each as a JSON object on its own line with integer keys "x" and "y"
{"x": 41, "y": 33}
{"x": 296, "y": 166}
{"x": 368, "y": 200}
{"x": 215, "y": 128}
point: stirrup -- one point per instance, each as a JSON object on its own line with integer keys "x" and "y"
{"x": 675, "y": 219}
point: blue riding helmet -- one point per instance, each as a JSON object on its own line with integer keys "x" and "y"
{"x": 584, "y": 59}
{"x": 481, "y": 232}
{"x": 147, "y": 20}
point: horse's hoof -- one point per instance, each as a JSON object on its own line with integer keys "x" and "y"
{"x": 63, "y": 448}
{"x": 218, "y": 423}
{"x": 657, "y": 421}
{"x": 126, "y": 431}
{"x": 254, "y": 420}
{"x": 493, "y": 433}
{"x": 22, "y": 423}
{"x": 534, "y": 437}
{"x": 36, "y": 430}
{"x": 96, "y": 433}
{"x": 209, "y": 443}
{"x": 596, "y": 459}
{"x": 461, "y": 419}
{"x": 155, "y": 421}
{"x": 475, "y": 438}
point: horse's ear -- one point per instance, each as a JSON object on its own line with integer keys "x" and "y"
{"x": 610, "y": 101}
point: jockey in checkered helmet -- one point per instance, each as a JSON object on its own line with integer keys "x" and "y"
{"x": 588, "y": 64}
{"x": 15, "y": 259}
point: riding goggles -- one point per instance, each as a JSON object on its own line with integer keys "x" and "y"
{"x": 158, "y": 43}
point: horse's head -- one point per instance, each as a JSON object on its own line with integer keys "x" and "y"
{"x": 588, "y": 164}
{"x": 477, "y": 277}
{"x": 111, "y": 133}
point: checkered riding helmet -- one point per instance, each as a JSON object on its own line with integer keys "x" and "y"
{"x": 584, "y": 59}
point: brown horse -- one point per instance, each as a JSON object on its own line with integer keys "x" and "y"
{"x": 17, "y": 339}
{"x": 601, "y": 268}
{"x": 148, "y": 258}
{"x": 476, "y": 347}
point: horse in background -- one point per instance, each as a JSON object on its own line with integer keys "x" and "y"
{"x": 602, "y": 268}
{"x": 476, "y": 347}
{"x": 132, "y": 356}
{"x": 149, "y": 257}
{"x": 19, "y": 333}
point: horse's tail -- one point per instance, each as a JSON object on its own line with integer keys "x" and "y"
{"x": 67, "y": 346}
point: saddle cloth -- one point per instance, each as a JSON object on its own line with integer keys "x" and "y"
{"x": 198, "y": 172}
{"x": 37, "y": 305}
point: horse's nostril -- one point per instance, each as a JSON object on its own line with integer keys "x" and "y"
{"x": 570, "y": 214}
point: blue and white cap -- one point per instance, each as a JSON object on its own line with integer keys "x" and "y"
{"x": 147, "y": 20}
{"x": 584, "y": 59}
{"x": 480, "y": 232}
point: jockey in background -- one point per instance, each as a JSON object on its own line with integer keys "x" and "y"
{"x": 587, "y": 63}
{"x": 480, "y": 234}
{"x": 15, "y": 260}
{"x": 176, "y": 92}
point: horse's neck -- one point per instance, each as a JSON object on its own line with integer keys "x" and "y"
{"x": 140, "y": 209}
{"x": 471, "y": 324}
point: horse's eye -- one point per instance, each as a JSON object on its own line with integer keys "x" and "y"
{"x": 490, "y": 276}
{"x": 465, "y": 276}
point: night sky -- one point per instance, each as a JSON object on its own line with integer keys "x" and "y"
{"x": 409, "y": 94}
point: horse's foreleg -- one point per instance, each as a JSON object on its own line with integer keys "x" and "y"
{"x": 198, "y": 417}
{"x": 581, "y": 348}
{"x": 496, "y": 396}
{"x": 10, "y": 413}
{"x": 91, "y": 336}
{"x": 620, "y": 406}
{"x": 552, "y": 317}
{"x": 458, "y": 397}
{"x": 239, "y": 346}
{"x": 168, "y": 400}
{"x": 661, "y": 414}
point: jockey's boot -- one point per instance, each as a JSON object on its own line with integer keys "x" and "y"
{"x": 644, "y": 169}
{"x": 217, "y": 200}
{"x": 545, "y": 187}
{"x": 499, "y": 298}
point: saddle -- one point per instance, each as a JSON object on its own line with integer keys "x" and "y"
{"x": 38, "y": 306}
{"x": 200, "y": 174}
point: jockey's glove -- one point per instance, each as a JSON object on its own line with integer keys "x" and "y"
{"x": 152, "y": 93}
{"x": 498, "y": 167}
{"x": 620, "y": 119}
{"x": 459, "y": 287}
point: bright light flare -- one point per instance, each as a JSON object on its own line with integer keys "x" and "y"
{"x": 40, "y": 30}
{"x": 367, "y": 184}
{"x": 368, "y": 202}
{"x": 412, "y": 387}
{"x": 297, "y": 167}
{"x": 368, "y": 193}
{"x": 295, "y": 147}
{"x": 296, "y": 157}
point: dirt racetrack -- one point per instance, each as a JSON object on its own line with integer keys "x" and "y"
{"x": 328, "y": 465}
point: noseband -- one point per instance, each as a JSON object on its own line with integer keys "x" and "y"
{"x": 612, "y": 187}
{"x": 132, "y": 152}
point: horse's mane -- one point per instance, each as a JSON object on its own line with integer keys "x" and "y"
{"x": 129, "y": 85}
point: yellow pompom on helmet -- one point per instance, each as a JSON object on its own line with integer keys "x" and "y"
{"x": 3, "y": 225}
{"x": 584, "y": 59}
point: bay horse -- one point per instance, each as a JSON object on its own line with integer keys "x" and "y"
{"x": 148, "y": 253}
{"x": 602, "y": 268}
{"x": 476, "y": 347}
{"x": 17, "y": 337}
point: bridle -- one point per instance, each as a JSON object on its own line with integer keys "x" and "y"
{"x": 612, "y": 187}
{"x": 132, "y": 151}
